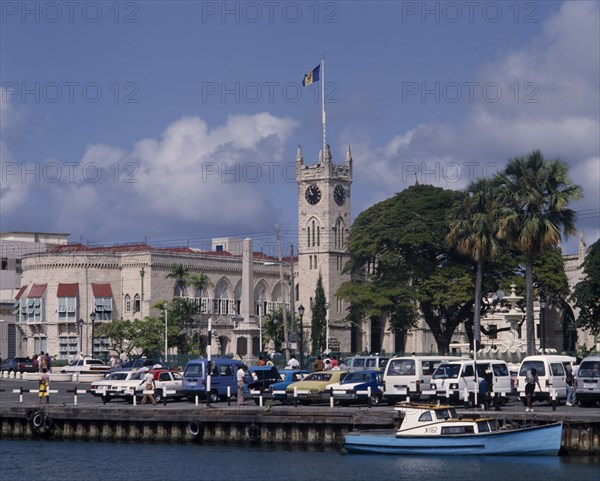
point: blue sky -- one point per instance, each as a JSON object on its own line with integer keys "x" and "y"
{"x": 179, "y": 121}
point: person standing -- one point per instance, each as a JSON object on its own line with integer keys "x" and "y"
{"x": 292, "y": 363}
{"x": 42, "y": 362}
{"x": 319, "y": 365}
{"x": 531, "y": 379}
{"x": 334, "y": 362}
{"x": 113, "y": 361}
{"x": 241, "y": 380}
{"x": 149, "y": 388}
{"x": 261, "y": 361}
{"x": 569, "y": 378}
{"x": 44, "y": 389}
{"x": 269, "y": 361}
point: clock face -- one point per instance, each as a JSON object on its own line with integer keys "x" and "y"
{"x": 339, "y": 195}
{"x": 313, "y": 194}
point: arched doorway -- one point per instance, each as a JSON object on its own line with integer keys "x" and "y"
{"x": 569, "y": 331}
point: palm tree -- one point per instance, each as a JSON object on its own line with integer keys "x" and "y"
{"x": 474, "y": 233}
{"x": 534, "y": 194}
{"x": 182, "y": 276}
{"x": 200, "y": 281}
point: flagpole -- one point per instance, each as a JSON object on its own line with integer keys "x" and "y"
{"x": 324, "y": 119}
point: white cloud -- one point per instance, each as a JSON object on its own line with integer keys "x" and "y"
{"x": 189, "y": 178}
{"x": 556, "y": 111}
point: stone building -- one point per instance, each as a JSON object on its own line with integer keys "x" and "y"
{"x": 63, "y": 286}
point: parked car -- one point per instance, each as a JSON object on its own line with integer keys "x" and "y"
{"x": 277, "y": 390}
{"x": 223, "y": 376}
{"x": 17, "y": 364}
{"x": 410, "y": 377}
{"x": 125, "y": 388}
{"x": 262, "y": 378}
{"x": 314, "y": 386}
{"x": 359, "y": 363}
{"x": 354, "y": 388}
{"x": 167, "y": 385}
{"x": 86, "y": 366}
{"x": 588, "y": 381}
{"x": 450, "y": 379}
{"x": 136, "y": 364}
{"x": 552, "y": 372}
{"x": 111, "y": 386}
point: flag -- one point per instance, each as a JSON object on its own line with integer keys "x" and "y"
{"x": 312, "y": 76}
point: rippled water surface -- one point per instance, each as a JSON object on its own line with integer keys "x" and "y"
{"x": 89, "y": 461}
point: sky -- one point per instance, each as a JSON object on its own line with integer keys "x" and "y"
{"x": 176, "y": 122}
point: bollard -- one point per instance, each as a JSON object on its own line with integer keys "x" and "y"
{"x": 20, "y": 392}
{"x": 134, "y": 397}
{"x": 369, "y": 403}
{"x": 196, "y": 398}
{"x": 228, "y": 396}
{"x": 553, "y": 399}
{"x": 331, "y": 400}
{"x": 295, "y": 396}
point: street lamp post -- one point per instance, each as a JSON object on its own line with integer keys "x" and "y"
{"x": 166, "y": 332}
{"x": 260, "y": 337}
{"x": 543, "y": 322}
{"x": 80, "y": 324}
{"x": 443, "y": 328}
{"x": 301, "y": 313}
{"x": 93, "y": 321}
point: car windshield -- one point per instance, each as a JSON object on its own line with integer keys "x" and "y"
{"x": 401, "y": 367}
{"x": 117, "y": 376}
{"x": 96, "y": 362}
{"x": 193, "y": 370}
{"x": 529, "y": 365}
{"x": 357, "y": 376}
{"x": 589, "y": 369}
{"x": 138, "y": 375}
{"x": 446, "y": 371}
{"x": 318, "y": 376}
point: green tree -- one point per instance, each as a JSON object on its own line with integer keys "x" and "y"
{"x": 474, "y": 233}
{"x": 121, "y": 335}
{"x": 399, "y": 257}
{"x": 319, "y": 318}
{"x": 534, "y": 196}
{"x": 200, "y": 281}
{"x": 272, "y": 325}
{"x": 182, "y": 277}
{"x": 586, "y": 294}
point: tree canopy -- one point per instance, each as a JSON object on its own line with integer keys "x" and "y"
{"x": 587, "y": 291}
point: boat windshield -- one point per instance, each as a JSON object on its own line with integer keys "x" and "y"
{"x": 445, "y": 413}
{"x": 446, "y": 371}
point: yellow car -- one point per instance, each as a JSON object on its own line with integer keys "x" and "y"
{"x": 313, "y": 388}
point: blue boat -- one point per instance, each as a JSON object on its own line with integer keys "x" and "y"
{"x": 438, "y": 430}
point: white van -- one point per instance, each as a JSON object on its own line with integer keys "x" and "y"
{"x": 552, "y": 373}
{"x": 409, "y": 376}
{"x": 588, "y": 381}
{"x": 370, "y": 363}
{"x": 451, "y": 379}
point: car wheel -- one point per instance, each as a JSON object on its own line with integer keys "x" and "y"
{"x": 105, "y": 399}
{"x": 374, "y": 399}
{"x": 257, "y": 402}
{"x": 158, "y": 396}
{"x": 214, "y": 396}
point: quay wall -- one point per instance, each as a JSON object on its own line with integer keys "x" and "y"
{"x": 302, "y": 427}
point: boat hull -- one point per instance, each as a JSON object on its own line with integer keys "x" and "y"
{"x": 538, "y": 440}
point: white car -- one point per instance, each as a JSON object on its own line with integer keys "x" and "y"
{"x": 112, "y": 386}
{"x": 86, "y": 366}
{"x": 165, "y": 381}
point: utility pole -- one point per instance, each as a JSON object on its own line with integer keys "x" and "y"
{"x": 284, "y": 310}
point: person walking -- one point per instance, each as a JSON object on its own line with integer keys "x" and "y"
{"x": 531, "y": 379}
{"x": 569, "y": 378}
{"x": 241, "y": 380}
{"x": 292, "y": 363}
{"x": 149, "y": 388}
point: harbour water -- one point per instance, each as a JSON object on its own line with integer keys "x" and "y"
{"x": 93, "y": 461}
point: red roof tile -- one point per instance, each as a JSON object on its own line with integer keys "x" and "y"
{"x": 21, "y": 291}
{"x": 67, "y": 290}
{"x": 37, "y": 290}
{"x": 101, "y": 290}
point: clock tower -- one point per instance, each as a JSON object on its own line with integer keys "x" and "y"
{"x": 323, "y": 228}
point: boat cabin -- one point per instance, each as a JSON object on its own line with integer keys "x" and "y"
{"x": 439, "y": 420}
